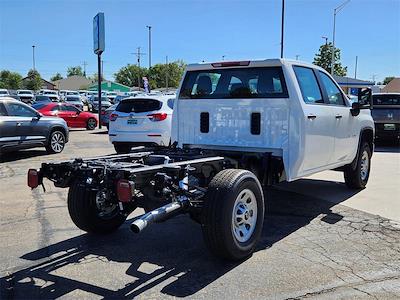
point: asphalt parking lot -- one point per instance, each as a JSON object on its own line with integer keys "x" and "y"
{"x": 319, "y": 241}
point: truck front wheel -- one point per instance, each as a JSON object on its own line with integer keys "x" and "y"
{"x": 90, "y": 212}
{"x": 233, "y": 214}
{"x": 357, "y": 178}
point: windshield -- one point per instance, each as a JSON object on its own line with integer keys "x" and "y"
{"x": 3, "y": 92}
{"x": 73, "y": 93}
{"x": 103, "y": 99}
{"x": 24, "y": 92}
{"x": 38, "y": 106}
{"x": 265, "y": 82}
{"x": 50, "y": 93}
{"x": 72, "y": 99}
{"x": 388, "y": 99}
{"x": 42, "y": 98}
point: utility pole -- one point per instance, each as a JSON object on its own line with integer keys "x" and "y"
{"x": 149, "y": 27}
{"x": 282, "y": 26}
{"x": 84, "y": 68}
{"x": 138, "y": 55}
{"x": 335, "y": 11}
{"x": 297, "y": 57}
{"x": 223, "y": 57}
{"x": 33, "y": 57}
{"x": 166, "y": 73}
{"x": 355, "y": 69}
{"x": 326, "y": 40}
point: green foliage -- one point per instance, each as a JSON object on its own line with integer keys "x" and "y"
{"x": 34, "y": 80}
{"x": 77, "y": 70}
{"x": 10, "y": 80}
{"x": 157, "y": 75}
{"x": 324, "y": 59}
{"x": 56, "y": 77}
{"x": 388, "y": 79}
{"x": 130, "y": 74}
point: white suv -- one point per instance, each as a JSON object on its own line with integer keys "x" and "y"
{"x": 141, "y": 121}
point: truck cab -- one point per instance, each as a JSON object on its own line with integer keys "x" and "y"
{"x": 294, "y": 110}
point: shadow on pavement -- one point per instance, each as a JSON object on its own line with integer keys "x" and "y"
{"x": 99, "y": 132}
{"x": 21, "y": 154}
{"x": 183, "y": 265}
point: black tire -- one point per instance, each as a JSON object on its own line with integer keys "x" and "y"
{"x": 121, "y": 148}
{"x": 91, "y": 124}
{"x": 56, "y": 142}
{"x": 356, "y": 178}
{"x": 217, "y": 215}
{"x": 84, "y": 213}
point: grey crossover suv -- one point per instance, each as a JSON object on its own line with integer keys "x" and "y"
{"x": 22, "y": 127}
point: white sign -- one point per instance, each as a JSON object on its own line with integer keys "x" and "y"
{"x": 98, "y": 33}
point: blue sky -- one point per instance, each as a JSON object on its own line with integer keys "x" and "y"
{"x": 196, "y": 31}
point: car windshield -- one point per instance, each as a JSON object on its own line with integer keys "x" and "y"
{"x": 261, "y": 82}
{"x": 388, "y": 99}
{"x": 38, "y": 106}
{"x": 42, "y": 99}
{"x": 72, "y": 99}
{"x": 50, "y": 93}
{"x": 72, "y": 93}
{"x": 25, "y": 92}
{"x": 96, "y": 99}
{"x": 3, "y": 92}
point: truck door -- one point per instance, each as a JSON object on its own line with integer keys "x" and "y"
{"x": 346, "y": 138}
{"x": 318, "y": 132}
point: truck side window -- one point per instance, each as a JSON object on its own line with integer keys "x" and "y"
{"x": 334, "y": 95}
{"x": 308, "y": 85}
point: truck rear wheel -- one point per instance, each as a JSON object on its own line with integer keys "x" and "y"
{"x": 87, "y": 213}
{"x": 357, "y": 178}
{"x": 233, "y": 214}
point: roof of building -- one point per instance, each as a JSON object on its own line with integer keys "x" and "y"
{"x": 393, "y": 86}
{"x": 354, "y": 82}
{"x": 110, "y": 86}
{"x": 48, "y": 82}
{"x": 74, "y": 82}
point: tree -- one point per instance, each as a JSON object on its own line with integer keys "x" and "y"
{"x": 34, "y": 81}
{"x": 388, "y": 79}
{"x": 56, "y": 77}
{"x": 324, "y": 59}
{"x": 77, "y": 70}
{"x": 10, "y": 80}
{"x": 159, "y": 73}
{"x": 130, "y": 75}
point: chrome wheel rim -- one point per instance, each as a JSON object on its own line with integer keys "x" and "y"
{"x": 91, "y": 123}
{"x": 57, "y": 142}
{"x": 244, "y": 215}
{"x": 364, "y": 169}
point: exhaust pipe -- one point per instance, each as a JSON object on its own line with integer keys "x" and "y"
{"x": 159, "y": 214}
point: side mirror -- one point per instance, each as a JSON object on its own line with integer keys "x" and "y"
{"x": 37, "y": 117}
{"x": 355, "y": 109}
{"x": 365, "y": 98}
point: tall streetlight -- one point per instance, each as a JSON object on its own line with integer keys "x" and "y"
{"x": 335, "y": 11}
{"x": 33, "y": 56}
{"x": 326, "y": 39}
{"x": 149, "y": 28}
{"x": 282, "y": 26}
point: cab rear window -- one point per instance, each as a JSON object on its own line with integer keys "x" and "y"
{"x": 261, "y": 82}
{"x": 386, "y": 99}
{"x": 138, "y": 105}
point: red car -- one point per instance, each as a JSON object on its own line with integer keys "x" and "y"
{"x": 74, "y": 117}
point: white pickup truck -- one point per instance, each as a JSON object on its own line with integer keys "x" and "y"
{"x": 236, "y": 127}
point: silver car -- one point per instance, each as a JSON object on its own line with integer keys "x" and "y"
{"x": 23, "y": 127}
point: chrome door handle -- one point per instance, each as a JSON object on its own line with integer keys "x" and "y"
{"x": 338, "y": 116}
{"x": 311, "y": 117}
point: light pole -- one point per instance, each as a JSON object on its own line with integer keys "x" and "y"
{"x": 355, "y": 69}
{"x": 335, "y": 11}
{"x": 33, "y": 56}
{"x": 282, "y": 26}
{"x": 326, "y": 39}
{"x": 149, "y": 27}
